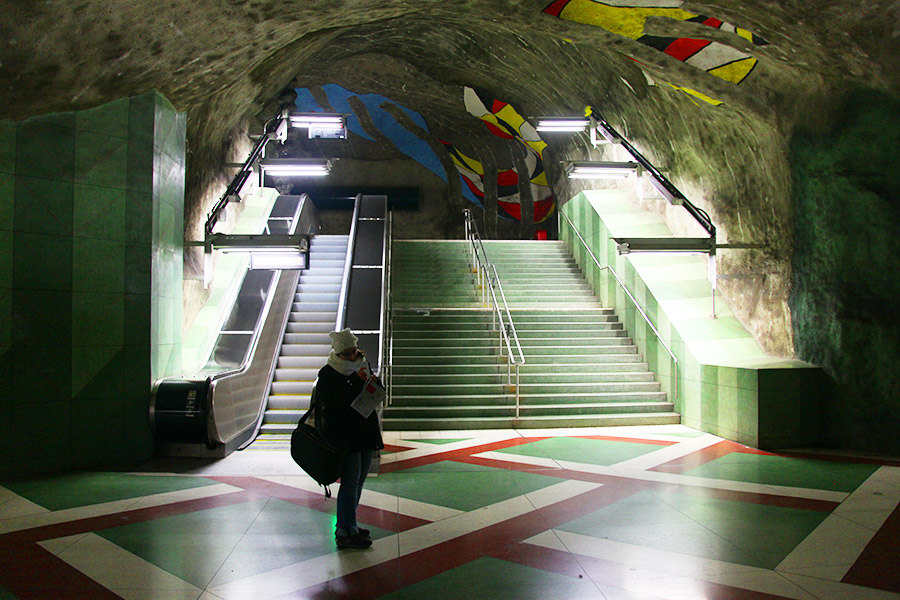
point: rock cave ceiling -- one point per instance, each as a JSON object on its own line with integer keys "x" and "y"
{"x": 709, "y": 91}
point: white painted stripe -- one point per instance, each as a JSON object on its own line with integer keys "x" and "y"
{"x": 833, "y": 590}
{"x": 668, "y": 453}
{"x": 292, "y": 578}
{"x": 395, "y": 504}
{"x": 118, "y": 570}
{"x": 686, "y": 574}
{"x": 674, "y": 478}
{"x": 837, "y": 543}
{"x": 13, "y": 505}
{"x": 117, "y": 506}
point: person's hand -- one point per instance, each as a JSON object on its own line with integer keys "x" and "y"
{"x": 362, "y": 373}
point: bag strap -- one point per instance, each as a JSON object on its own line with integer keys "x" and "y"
{"x": 312, "y": 404}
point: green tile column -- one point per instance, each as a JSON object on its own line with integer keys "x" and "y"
{"x": 91, "y": 207}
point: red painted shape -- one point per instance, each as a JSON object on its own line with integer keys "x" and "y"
{"x": 455, "y": 454}
{"x": 877, "y": 566}
{"x": 513, "y": 209}
{"x": 498, "y": 131}
{"x": 712, "y": 22}
{"x": 32, "y": 573}
{"x": 542, "y": 208}
{"x": 623, "y": 439}
{"x": 391, "y": 448}
{"x": 498, "y": 105}
{"x": 684, "y": 48}
{"x": 556, "y": 8}
{"x": 507, "y": 177}
{"x": 695, "y": 459}
{"x": 539, "y": 557}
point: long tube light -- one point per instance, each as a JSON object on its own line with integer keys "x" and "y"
{"x": 321, "y": 125}
{"x": 562, "y": 123}
{"x": 296, "y": 167}
{"x": 600, "y": 170}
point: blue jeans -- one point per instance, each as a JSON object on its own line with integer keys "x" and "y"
{"x": 352, "y": 480}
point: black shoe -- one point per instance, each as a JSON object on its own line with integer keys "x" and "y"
{"x": 364, "y": 533}
{"x": 356, "y": 542}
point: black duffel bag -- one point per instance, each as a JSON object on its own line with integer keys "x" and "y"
{"x": 321, "y": 460}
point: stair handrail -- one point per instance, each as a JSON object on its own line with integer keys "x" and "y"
{"x": 488, "y": 277}
{"x": 633, "y": 300}
{"x": 348, "y": 267}
{"x": 387, "y": 323}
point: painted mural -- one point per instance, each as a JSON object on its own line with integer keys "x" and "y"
{"x": 405, "y": 141}
{"x": 505, "y": 122}
{"x": 628, "y": 18}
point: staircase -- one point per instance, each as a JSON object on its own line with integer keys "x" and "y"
{"x": 581, "y": 368}
{"x": 306, "y": 343}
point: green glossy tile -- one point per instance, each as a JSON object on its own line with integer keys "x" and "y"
{"x": 96, "y": 372}
{"x": 437, "y": 440}
{"x": 7, "y": 147}
{"x": 138, "y": 268}
{"x": 139, "y": 217}
{"x": 6, "y": 259}
{"x": 97, "y": 427}
{"x": 99, "y": 212}
{"x": 98, "y": 266}
{"x": 136, "y": 378}
{"x": 50, "y": 365}
{"x": 41, "y": 317}
{"x": 457, "y": 485}
{"x": 110, "y": 119}
{"x": 780, "y": 470}
{"x": 98, "y": 319}
{"x": 45, "y": 147}
{"x": 5, "y": 320}
{"x": 137, "y": 319}
{"x": 138, "y": 443}
{"x": 7, "y": 201}
{"x": 47, "y": 446}
{"x": 139, "y": 175}
{"x": 494, "y": 578}
{"x": 208, "y": 536}
{"x": 141, "y": 116}
{"x": 595, "y": 452}
{"x": 84, "y": 489}
{"x": 100, "y": 160}
{"x": 43, "y": 206}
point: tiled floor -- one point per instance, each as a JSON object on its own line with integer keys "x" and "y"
{"x": 617, "y": 513}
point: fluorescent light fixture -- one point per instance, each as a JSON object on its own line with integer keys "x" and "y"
{"x": 608, "y": 136}
{"x": 321, "y": 125}
{"x": 600, "y": 170}
{"x": 277, "y": 260}
{"x": 561, "y": 123}
{"x": 296, "y": 167}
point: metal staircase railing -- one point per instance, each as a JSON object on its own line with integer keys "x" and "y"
{"x": 501, "y": 319}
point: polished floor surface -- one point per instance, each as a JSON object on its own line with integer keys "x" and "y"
{"x": 644, "y": 513}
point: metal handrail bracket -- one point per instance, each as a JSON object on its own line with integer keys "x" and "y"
{"x": 633, "y": 300}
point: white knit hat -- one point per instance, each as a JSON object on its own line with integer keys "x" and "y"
{"x": 342, "y": 341}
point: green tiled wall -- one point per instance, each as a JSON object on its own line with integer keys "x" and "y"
{"x": 725, "y": 384}
{"x": 91, "y": 230}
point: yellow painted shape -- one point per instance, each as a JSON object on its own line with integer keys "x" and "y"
{"x": 735, "y": 72}
{"x": 467, "y": 161}
{"x": 625, "y": 21}
{"x": 697, "y": 94}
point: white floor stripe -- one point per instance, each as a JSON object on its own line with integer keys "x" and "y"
{"x": 403, "y": 506}
{"x": 109, "y": 508}
{"x": 318, "y": 570}
{"x": 669, "y": 574}
{"x": 668, "y": 453}
{"x": 118, "y": 570}
{"x": 13, "y": 505}
{"x": 840, "y": 539}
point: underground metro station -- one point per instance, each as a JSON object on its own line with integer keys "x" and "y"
{"x": 625, "y": 268}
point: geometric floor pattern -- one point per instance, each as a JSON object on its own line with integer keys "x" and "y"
{"x": 637, "y": 513}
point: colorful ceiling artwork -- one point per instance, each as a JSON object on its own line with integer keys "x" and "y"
{"x": 628, "y": 18}
{"x": 407, "y": 142}
{"x": 505, "y": 122}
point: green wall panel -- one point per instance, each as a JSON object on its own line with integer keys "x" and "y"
{"x": 91, "y": 205}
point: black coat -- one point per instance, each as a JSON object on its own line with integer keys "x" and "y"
{"x": 342, "y": 425}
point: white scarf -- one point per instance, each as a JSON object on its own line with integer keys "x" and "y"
{"x": 347, "y": 367}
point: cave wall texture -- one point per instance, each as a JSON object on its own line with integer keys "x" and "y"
{"x": 780, "y": 119}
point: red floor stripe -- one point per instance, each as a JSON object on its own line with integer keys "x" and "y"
{"x": 32, "y": 573}
{"x": 383, "y": 519}
{"x": 622, "y": 439}
{"x": 456, "y": 454}
{"x": 877, "y": 566}
{"x": 693, "y": 460}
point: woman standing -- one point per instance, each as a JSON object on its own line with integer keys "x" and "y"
{"x": 340, "y": 381}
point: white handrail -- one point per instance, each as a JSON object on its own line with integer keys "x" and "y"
{"x": 635, "y": 302}
{"x": 488, "y": 277}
